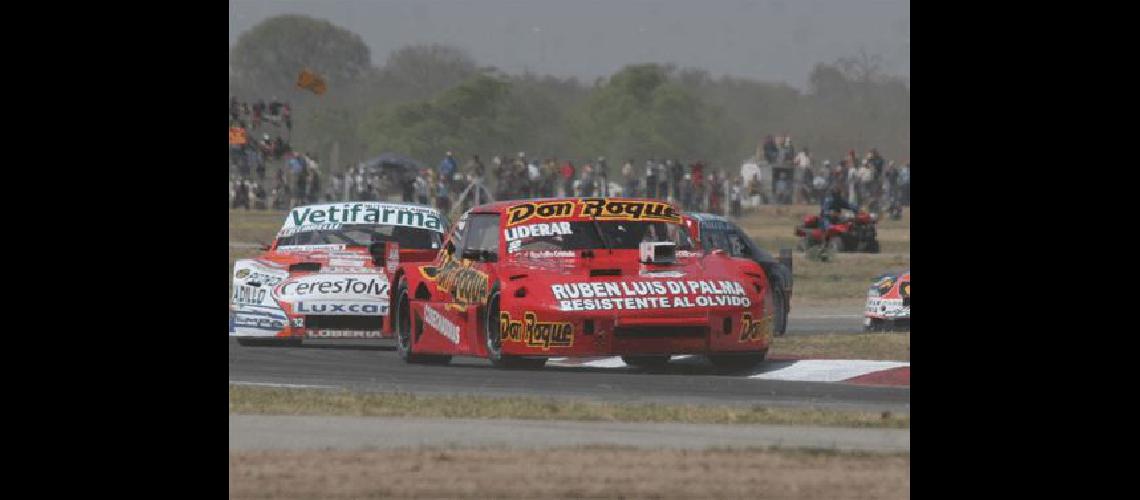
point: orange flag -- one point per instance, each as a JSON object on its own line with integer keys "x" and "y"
{"x": 311, "y": 81}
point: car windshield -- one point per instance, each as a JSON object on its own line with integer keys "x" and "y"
{"x": 363, "y": 235}
{"x": 581, "y": 235}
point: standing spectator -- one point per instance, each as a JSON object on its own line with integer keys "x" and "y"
{"x": 258, "y": 112}
{"x": 568, "y": 179}
{"x": 716, "y": 194}
{"x": 586, "y": 185}
{"x": 771, "y": 151}
{"x": 534, "y": 179}
{"x": 687, "y": 192}
{"x": 629, "y": 180}
{"x": 677, "y": 172}
{"x": 662, "y": 180}
{"x": 755, "y": 189}
{"x": 866, "y": 184}
{"x": 315, "y": 186}
{"x": 601, "y": 172}
{"x": 302, "y": 186}
{"x": 261, "y": 197}
{"x": 421, "y": 187}
{"x": 877, "y": 163}
{"x": 819, "y": 183}
{"x": 783, "y": 190}
{"x": 650, "y": 179}
{"x": 788, "y": 149}
{"x": 287, "y": 115}
{"x": 442, "y": 195}
{"x": 904, "y": 184}
{"x": 734, "y": 196}
{"x": 474, "y": 169}
{"x": 447, "y": 168}
{"x": 241, "y": 198}
{"x": 802, "y": 175}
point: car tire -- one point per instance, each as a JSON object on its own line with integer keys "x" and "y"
{"x": 781, "y": 306}
{"x": 493, "y": 340}
{"x": 877, "y": 325}
{"x": 737, "y": 363}
{"x": 403, "y": 327}
{"x": 647, "y": 362}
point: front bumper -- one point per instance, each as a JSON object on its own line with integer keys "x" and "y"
{"x": 527, "y": 334}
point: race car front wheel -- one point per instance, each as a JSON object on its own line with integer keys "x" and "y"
{"x": 494, "y": 340}
{"x": 404, "y": 331}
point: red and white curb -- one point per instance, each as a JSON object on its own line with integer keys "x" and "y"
{"x": 855, "y": 371}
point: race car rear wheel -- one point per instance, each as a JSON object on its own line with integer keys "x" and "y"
{"x": 734, "y": 363}
{"x": 494, "y": 340}
{"x": 780, "y": 306}
{"x": 404, "y": 331}
{"x": 647, "y": 362}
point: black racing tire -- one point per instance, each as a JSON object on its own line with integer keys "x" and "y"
{"x": 494, "y": 342}
{"x": 877, "y": 325}
{"x": 652, "y": 362}
{"x": 269, "y": 342}
{"x": 872, "y": 246}
{"x": 780, "y": 306}
{"x": 737, "y": 363}
{"x": 403, "y": 326}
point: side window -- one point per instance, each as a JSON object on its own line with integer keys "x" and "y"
{"x": 713, "y": 240}
{"x": 456, "y": 236}
{"x": 482, "y": 238}
{"x": 739, "y": 247}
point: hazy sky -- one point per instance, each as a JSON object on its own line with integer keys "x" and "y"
{"x": 771, "y": 40}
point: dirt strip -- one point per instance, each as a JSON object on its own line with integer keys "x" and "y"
{"x": 597, "y": 472}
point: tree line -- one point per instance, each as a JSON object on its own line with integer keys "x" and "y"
{"x": 428, "y": 99}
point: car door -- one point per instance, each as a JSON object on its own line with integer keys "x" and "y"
{"x": 464, "y": 280}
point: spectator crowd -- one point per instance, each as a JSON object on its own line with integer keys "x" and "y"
{"x": 794, "y": 176}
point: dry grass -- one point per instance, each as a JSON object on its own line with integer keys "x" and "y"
{"x": 280, "y": 401}
{"x": 593, "y": 472}
{"x": 879, "y": 346}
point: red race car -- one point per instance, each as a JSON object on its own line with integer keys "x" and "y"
{"x": 327, "y": 273}
{"x": 518, "y": 282}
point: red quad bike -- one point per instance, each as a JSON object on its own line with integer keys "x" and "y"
{"x": 847, "y": 233}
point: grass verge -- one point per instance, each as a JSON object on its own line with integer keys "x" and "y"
{"x": 877, "y": 346}
{"x": 281, "y": 401}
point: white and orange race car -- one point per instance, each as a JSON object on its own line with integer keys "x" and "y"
{"x": 328, "y": 273}
{"x": 888, "y": 303}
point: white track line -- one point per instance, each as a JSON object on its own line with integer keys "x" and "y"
{"x": 827, "y": 370}
{"x": 804, "y": 370}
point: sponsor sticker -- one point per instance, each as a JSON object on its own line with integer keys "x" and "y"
{"x": 342, "y": 308}
{"x": 439, "y": 323}
{"x": 535, "y": 333}
{"x": 317, "y": 216}
{"x": 754, "y": 330}
{"x": 323, "y": 333}
{"x": 658, "y": 294}
{"x": 600, "y": 208}
{"x": 330, "y": 285}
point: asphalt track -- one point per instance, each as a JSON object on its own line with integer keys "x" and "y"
{"x": 373, "y": 367}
